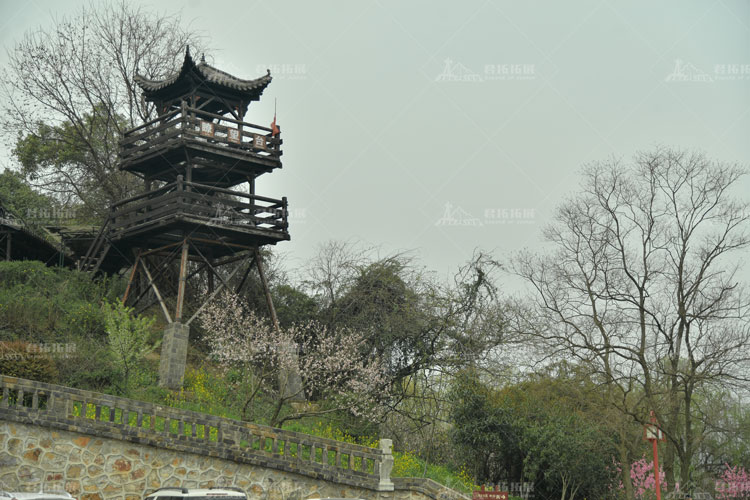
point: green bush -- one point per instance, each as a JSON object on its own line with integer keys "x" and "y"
{"x": 90, "y": 367}
{"x": 56, "y": 307}
{"x": 49, "y": 304}
{"x": 127, "y": 337}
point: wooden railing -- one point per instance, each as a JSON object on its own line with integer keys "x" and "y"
{"x": 209, "y": 205}
{"x": 199, "y": 127}
{"x": 76, "y": 410}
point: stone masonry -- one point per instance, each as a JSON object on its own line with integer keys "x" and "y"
{"x": 173, "y": 355}
{"x": 92, "y": 468}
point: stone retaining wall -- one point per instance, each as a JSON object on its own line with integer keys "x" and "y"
{"x": 103, "y": 415}
{"x": 101, "y": 447}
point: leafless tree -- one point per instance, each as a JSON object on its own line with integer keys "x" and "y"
{"x": 68, "y": 94}
{"x": 641, "y": 284}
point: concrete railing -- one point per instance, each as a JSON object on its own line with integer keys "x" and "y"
{"x": 114, "y": 417}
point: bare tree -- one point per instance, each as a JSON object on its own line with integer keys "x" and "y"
{"x": 333, "y": 271}
{"x": 68, "y": 94}
{"x": 641, "y": 285}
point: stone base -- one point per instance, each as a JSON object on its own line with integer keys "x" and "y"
{"x": 173, "y": 355}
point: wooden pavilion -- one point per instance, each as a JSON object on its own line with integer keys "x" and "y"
{"x": 192, "y": 217}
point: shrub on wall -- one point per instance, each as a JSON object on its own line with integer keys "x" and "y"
{"x": 27, "y": 360}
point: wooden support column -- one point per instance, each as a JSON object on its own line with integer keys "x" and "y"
{"x": 182, "y": 282}
{"x": 266, "y": 290}
{"x": 290, "y": 381}
{"x": 210, "y": 281}
{"x": 156, "y": 291}
{"x": 7, "y": 245}
{"x": 132, "y": 276}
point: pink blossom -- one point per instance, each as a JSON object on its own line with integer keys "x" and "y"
{"x": 733, "y": 484}
{"x": 642, "y": 478}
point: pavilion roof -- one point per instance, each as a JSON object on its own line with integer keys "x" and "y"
{"x": 203, "y": 73}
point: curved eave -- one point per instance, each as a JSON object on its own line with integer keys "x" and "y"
{"x": 203, "y": 75}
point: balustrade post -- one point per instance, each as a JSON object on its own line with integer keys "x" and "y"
{"x": 386, "y": 466}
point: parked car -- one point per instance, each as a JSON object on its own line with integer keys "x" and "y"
{"x": 216, "y": 493}
{"x": 18, "y": 495}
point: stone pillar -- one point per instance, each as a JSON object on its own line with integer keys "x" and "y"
{"x": 290, "y": 381}
{"x": 386, "y": 466}
{"x": 173, "y": 355}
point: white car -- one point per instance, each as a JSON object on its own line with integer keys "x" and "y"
{"x": 216, "y": 493}
{"x": 6, "y": 495}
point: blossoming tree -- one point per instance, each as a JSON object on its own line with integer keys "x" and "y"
{"x": 334, "y": 368}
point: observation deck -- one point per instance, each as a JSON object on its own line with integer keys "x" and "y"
{"x": 222, "y": 151}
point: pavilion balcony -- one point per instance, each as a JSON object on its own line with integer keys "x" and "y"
{"x": 161, "y": 148}
{"x": 181, "y": 207}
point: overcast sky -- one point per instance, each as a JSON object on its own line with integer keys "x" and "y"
{"x": 442, "y": 127}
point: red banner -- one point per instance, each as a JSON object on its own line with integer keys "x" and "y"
{"x": 489, "y": 495}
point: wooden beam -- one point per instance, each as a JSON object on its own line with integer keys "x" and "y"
{"x": 161, "y": 268}
{"x": 266, "y": 290}
{"x": 217, "y": 242}
{"x": 130, "y": 281}
{"x": 244, "y": 276}
{"x": 156, "y": 291}
{"x": 161, "y": 248}
{"x": 210, "y": 268}
{"x": 214, "y": 294}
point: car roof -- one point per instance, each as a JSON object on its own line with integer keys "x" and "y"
{"x": 224, "y": 491}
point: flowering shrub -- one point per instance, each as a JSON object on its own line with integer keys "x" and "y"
{"x": 328, "y": 431}
{"x": 406, "y": 464}
{"x": 642, "y": 477}
{"x": 200, "y": 392}
{"x": 733, "y": 484}
{"x": 332, "y": 363}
